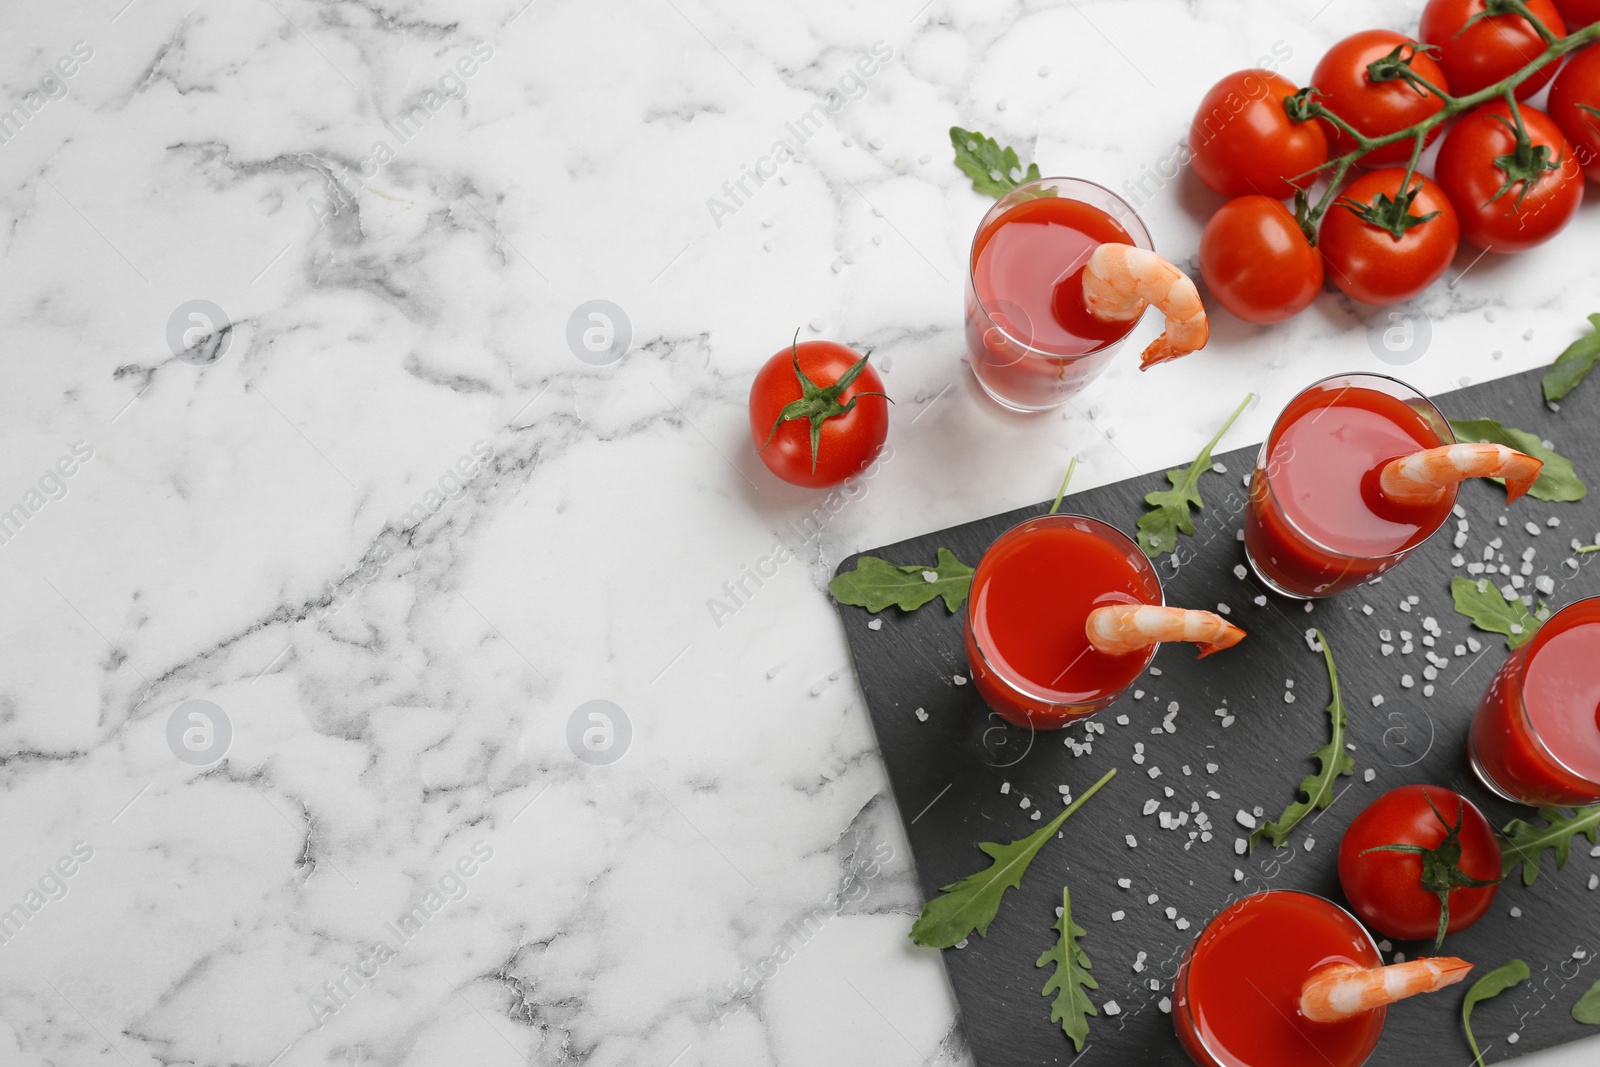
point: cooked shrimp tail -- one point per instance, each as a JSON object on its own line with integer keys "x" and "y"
{"x": 1344, "y": 990}
{"x": 1424, "y": 477}
{"x": 1119, "y": 628}
{"x": 1120, "y": 280}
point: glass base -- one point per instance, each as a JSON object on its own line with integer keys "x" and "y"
{"x": 1269, "y": 583}
{"x": 1483, "y": 775}
{"x": 1011, "y": 405}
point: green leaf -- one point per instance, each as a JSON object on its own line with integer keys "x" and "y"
{"x": 1557, "y": 482}
{"x": 1587, "y": 1010}
{"x": 1071, "y": 979}
{"x": 1492, "y": 984}
{"x": 1332, "y": 760}
{"x": 1523, "y": 842}
{"x": 874, "y": 584}
{"x": 1483, "y": 603}
{"x": 981, "y": 159}
{"x": 1159, "y": 529}
{"x": 970, "y": 904}
{"x": 1573, "y": 364}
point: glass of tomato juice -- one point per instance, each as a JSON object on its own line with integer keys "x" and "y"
{"x": 1026, "y": 612}
{"x": 1237, "y": 995}
{"x": 1316, "y": 523}
{"x": 1031, "y": 341}
{"x": 1536, "y": 736}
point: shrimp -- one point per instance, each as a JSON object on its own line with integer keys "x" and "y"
{"x": 1344, "y": 990}
{"x": 1119, "y": 628}
{"x": 1119, "y": 280}
{"x": 1423, "y": 477}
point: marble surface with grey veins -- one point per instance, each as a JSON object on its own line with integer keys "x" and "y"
{"x": 330, "y": 511}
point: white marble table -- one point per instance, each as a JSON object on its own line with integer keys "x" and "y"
{"x": 398, "y": 534}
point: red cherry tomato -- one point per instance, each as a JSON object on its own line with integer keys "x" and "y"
{"x": 851, "y": 425}
{"x": 1242, "y": 141}
{"x": 1257, "y": 263}
{"x": 1376, "y": 108}
{"x": 1368, "y": 262}
{"x": 1386, "y": 888}
{"x": 1578, "y": 85}
{"x": 1491, "y": 48}
{"x": 1524, "y": 215}
{"x": 1578, "y": 13}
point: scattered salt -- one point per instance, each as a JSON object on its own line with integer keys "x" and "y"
{"x": 875, "y": 624}
{"x": 1245, "y": 819}
{"x": 922, "y": 716}
{"x": 1111, "y": 1007}
{"x": 1118, "y": 916}
{"x": 1133, "y": 842}
{"x": 1377, "y": 701}
{"x": 1369, "y": 775}
{"x": 1239, "y": 571}
{"x": 1151, "y": 805}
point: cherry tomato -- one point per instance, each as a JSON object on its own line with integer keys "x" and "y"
{"x": 1578, "y": 13}
{"x": 1577, "y": 85}
{"x": 1376, "y": 108}
{"x": 1367, "y": 261}
{"x": 1243, "y": 141}
{"x": 1522, "y": 216}
{"x": 1397, "y": 893}
{"x": 808, "y": 429}
{"x": 1256, "y": 262}
{"x": 1491, "y": 48}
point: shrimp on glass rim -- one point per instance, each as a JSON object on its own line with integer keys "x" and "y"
{"x": 1344, "y": 990}
{"x": 1424, "y": 477}
{"x": 1120, "y": 280}
{"x": 1119, "y": 628}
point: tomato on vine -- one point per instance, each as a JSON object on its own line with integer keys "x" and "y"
{"x": 1578, "y": 13}
{"x": 1512, "y": 193}
{"x": 1482, "y": 41}
{"x": 1575, "y": 107}
{"x": 817, "y": 435}
{"x": 1364, "y": 80}
{"x": 1242, "y": 142}
{"x": 1384, "y": 243}
{"x": 1257, "y": 262}
{"x": 1410, "y": 872}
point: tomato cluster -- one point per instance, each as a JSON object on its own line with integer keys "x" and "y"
{"x": 1507, "y": 176}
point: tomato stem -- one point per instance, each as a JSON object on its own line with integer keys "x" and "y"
{"x": 817, "y": 404}
{"x": 1304, "y": 107}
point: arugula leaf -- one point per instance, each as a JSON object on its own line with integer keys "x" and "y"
{"x": 1524, "y": 842}
{"x": 1557, "y": 482}
{"x": 1071, "y": 980}
{"x": 1492, "y": 984}
{"x": 1587, "y": 1010}
{"x": 1332, "y": 761}
{"x": 1159, "y": 529}
{"x": 1489, "y": 610}
{"x": 876, "y": 583}
{"x": 1573, "y": 364}
{"x": 988, "y": 165}
{"x": 970, "y": 904}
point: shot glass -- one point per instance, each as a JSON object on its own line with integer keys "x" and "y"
{"x": 1029, "y": 339}
{"x": 1536, "y": 736}
{"x": 1315, "y": 525}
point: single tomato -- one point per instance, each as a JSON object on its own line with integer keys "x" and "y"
{"x": 1509, "y": 210}
{"x": 1346, "y": 87}
{"x": 1578, "y": 13}
{"x": 818, "y": 414}
{"x": 1575, "y": 107}
{"x": 1419, "y": 862}
{"x": 1493, "y": 47}
{"x": 1365, "y": 258}
{"x": 1256, "y": 262}
{"x": 1242, "y": 141}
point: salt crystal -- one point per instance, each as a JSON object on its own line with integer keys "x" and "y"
{"x": 1516, "y": 913}
{"x": 1245, "y": 819}
{"x": 1035, "y": 815}
{"x": 1288, "y": 683}
{"x": 1151, "y": 805}
{"x": 1311, "y": 843}
{"x": 962, "y": 943}
{"x": 1151, "y": 899}
{"x": 1532, "y": 527}
{"x": 1461, "y": 650}
{"x": 1240, "y": 846}
{"x": 1311, "y": 640}
{"x": 1223, "y": 609}
{"x": 1122, "y": 720}
{"x": 1430, "y": 672}
{"x": 1260, "y": 811}
{"x": 1118, "y": 916}
{"x": 1458, "y": 560}
{"x": 1005, "y": 787}
{"x": 1111, "y": 1007}
{"x": 1064, "y": 790}
{"x": 1211, "y": 768}
{"x": 875, "y": 624}
{"x": 1405, "y": 649}
{"x": 1459, "y": 542}
{"x": 1399, "y": 957}
{"x": 1155, "y": 985}
{"x": 1219, "y": 468}
{"x": 1261, "y": 601}
{"x": 1172, "y": 707}
{"x": 1138, "y": 961}
{"x": 1407, "y": 681}
{"x": 1238, "y": 875}
{"x": 1552, "y": 522}
{"x": 1186, "y": 769}
{"x": 1427, "y": 690}
{"x": 1594, "y": 881}
{"x": 1138, "y": 757}
{"x": 1213, "y": 794}
{"x": 1172, "y": 913}
{"x": 1166, "y": 1005}
{"x": 1386, "y": 634}
{"x": 1474, "y": 645}
{"x": 1309, "y": 606}
{"x": 1025, "y": 803}
{"x": 1386, "y": 649}
{"x": 1227, "y": 720}
{"x": 1138, "y": 694}
{"x": 1513, "y": 1038}
{"x": 1155, "y": 672}
{"x": 1182, "y": 924}
{"x": 1377, "y": 701}
{"x": 922, "y": 716}
{"x": 1366, "y": 609}
{"x": 1405, "y": 605}
{"x": 1384, "y": 946}
{"x": 1126, "y": 883}
{"x": 1545, "y": 584}
{"x": 1239, "y": 571}
{"x": 1133, "y": 842}
{"x": 1154, "y": 772}
{"x": 1288, "y": 697}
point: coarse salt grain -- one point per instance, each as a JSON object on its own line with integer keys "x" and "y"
{"x": 1118, "y": 916}
{"x": 875, "y": 624}
{"x": 1369, "y": 775}
{"x": 1516, "y": 913}
{"x": 1133, "y": 842}
{"x": 1260, "y": 601}
{"x": 1239, "y": 571}
{"x": 922, "y": 716}
{"x": 1111, "y": 1007}
{"x": 1240, "y": 846}
{"x": 1151, "y": 805}
{"x": 1377, "y": 701}
{"x": 1126, "y": 883}
{"x": 1245, "y": 819}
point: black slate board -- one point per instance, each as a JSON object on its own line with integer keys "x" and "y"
{"x": 947, "y": 772}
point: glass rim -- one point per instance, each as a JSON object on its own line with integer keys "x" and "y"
{"x": 1017, "y": 686}
{"x": 1522, "y": 692}
{"x": 1138, "y": 232}
{"x": 1180, "y": 986}
{"x": 1263, "y": 461}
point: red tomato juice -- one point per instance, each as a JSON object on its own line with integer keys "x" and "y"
{"x": 1027, "y": 277}
{"x": 1238, "y": 989}
{"x": 1031, "y": 595}
{"x": 1536, "y": 736}
{"x": 1317, "y": 524}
